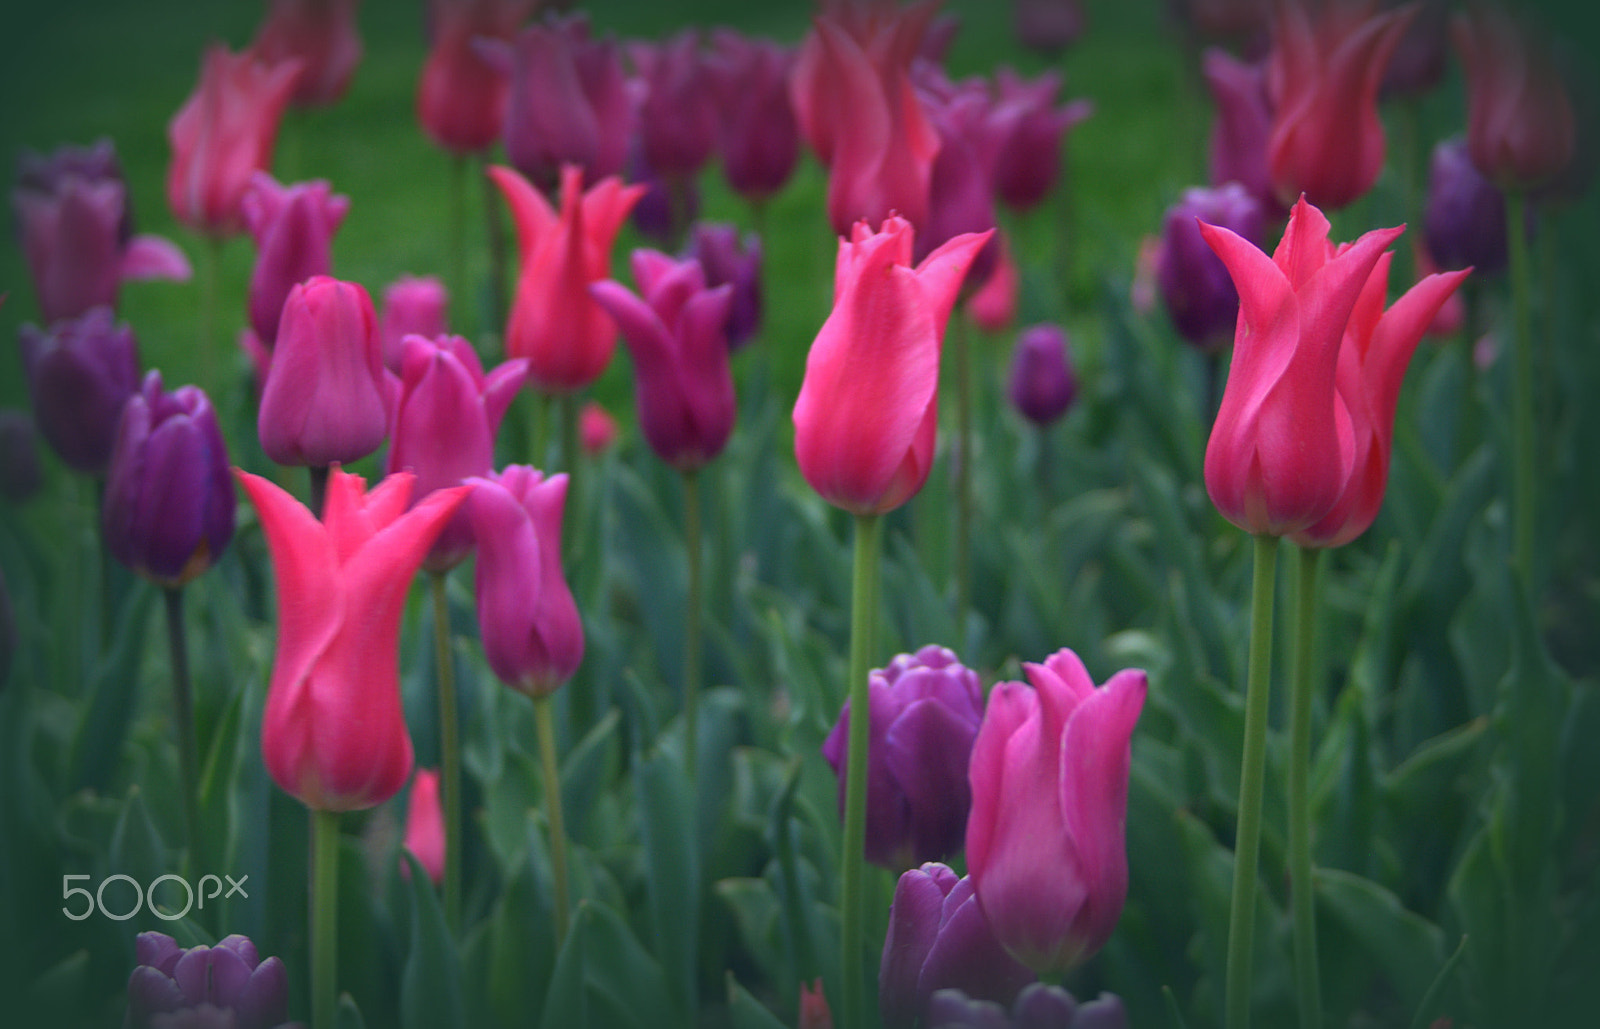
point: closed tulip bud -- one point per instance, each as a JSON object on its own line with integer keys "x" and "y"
{"x": 326, "y": 399}
{"x": 20, "y": 474}
{"x": 677, "y": 119}
{"x": 1047, "y": 26}
{"x": 461, "y": 95}
{"x": 925, "y": 708}
{"x": 938, "y": 939}
{"x": 1520, "y": 127}
{"x": 1195, "y": 286}
{"x": 756, "y": 131}
{"x": 1031, "y": 128}
{"x": 1419, "y": 58}
{"x": 169, "y": 504}
{"x": 727, "y": 261}
{"x": 412, "y": 305}
{"x": 1045, "y": 846}
{"x": 1238, "y": 145}
{"x": 79, "y": 374}
{"x": 597, "y": 430}
{"x": 293, "y": 229}
{"x": 320, "y": 34}
{"x": 333, "y": 734}
{"x": 224, "y": 985}
{"x": 1465, "y": 218}
{"x": 1042, "y": 383}
{"x": 424, "y": 836}
{"x": 445, "y": 424}
{"x": 529, "y": 624}
{"x": 961, "y": 186}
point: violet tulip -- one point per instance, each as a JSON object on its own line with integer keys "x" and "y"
{"x": 77, "y": 231}
{"x": 757, "y": 136}
{"x": 1464, "y": 221}
{"x": 327, "y": 398}
{"x": 462, "y": 95}
{"x": 1031, "y": 129}
{"x": 79, "y": 374}
{"x": 293, "y": 229}
{"x": 411, "y": 304}
{"x": 676, "y": 330}
{"x": 727, "y": 261}
{"x": 677, "y": 119}
{"x": 322, "y": 35}
{"x": 868, "y": 410}
{"x": 1042, "y": 384}
{"x": 961, "y": 184}
{"x": 1277, "y": 459}
{"x": 223, "y": 985}
{"x": 1520, "y": 126}
{"x": 938, "y": 939}
{"x": 1418, "y": 61}
{"x": 924, "y": 708}
{"x": 531, "y": 631}
{"x": 1244, "y": 121}
{"x": 333, "y": 734}
{"x": 564, "y": 333}
{"x": 1199, "y": 295}
{"x": 445, "y": 424}
{"x": 168, "y": 510}
{"x": 424, "y": 835}
{"x": 223, "y": 134}
{"x": 1045, "y": 845}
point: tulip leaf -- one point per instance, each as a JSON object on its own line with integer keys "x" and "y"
{"x": 430, "y": 988}
{"x": 1405, "y": 947}
{"x": 586, "y": 769}
{"x": 603, "y": 978}
{"x": 745, "y": 1012}
{"x": 349, "y": 1016}
{"x": 667, "y": 824}
{"x": 521, "y": 943}
{"x": 137, "y": 850}
{"x": 97, "y": 744}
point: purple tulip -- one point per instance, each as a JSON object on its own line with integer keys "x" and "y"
{"x": 726, "y": 261}
{"x": 1244, "y": 121}
{"x": 529, "y": 624}
{"x": 1464, "y": 223}
{"x": 1419, "y": 58}
{"x": 1042, "y": 383}
{"x": 77, "y": 231}
{"x": 293, "y": 229}
{"x": 411, "y": 304}
{"x": 938, "y": 939}
{"x": 1038, "y": 1006}
{"x": 79, "y": 375}
{"x": 668, "y": 205}
{"x": 225, "y": 985}
{"x": 961, "y": 185}
{"x": 1047, "y": 26}
{"x": 925, "y": 709}
{"x": 757, "y": 135}
{"x": 677, "y": 114}
{"x": 1030, "y": 129}
{"x": 169, "y": 502}
{"x": 1195, "y": 285}
{"x": 1049, "y": 776}
{"x": 677, "y": 334}
{"x": 444, "y": 427}
{"x": 20, "y": 474}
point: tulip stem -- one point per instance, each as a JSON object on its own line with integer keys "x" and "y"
{"x": 863, "y": 604}
{"x": 545, "y": 719}
{"x": 691, "y": 627}
{"x": 963, "y": 458}
{"x": 568, "y": 405}
{"x": 496, "y": 229}
{"x": 1308, "y": 985}
{"x": 449, "y": 752}
{"x": 183, "y": 725}
{"x": 324, "y": 919}
{"x": 458, "y": 225}
{"x": 210, "y": 273}
{"x": 1522, "y": 430}
{"x": 1247, "y": 845}
{"x": 319, "y": 488}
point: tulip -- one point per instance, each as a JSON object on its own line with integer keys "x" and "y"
{"x": 1038, "y": 1006}
{"x": 1418, "y": 61}
{"x": 333, "y": 734}
{"x": 1465, "y": 218}
{"x": 79, "y": 374}
{"x": 938, "y": 939}
{"x": 1326, "y": 140}
{"x": 462, "y": 95}
{"x": 1047, "y": 26}
{"x": 667, "y": 206}
{"x": 1199, "y": 296}
{"x": 1277, "y": 459}
{"x": 677, "y": 121}
{"x": 867, "y": 413}
{"x": 1049, "y": 777}
{"x": 412, "y": 304}
{"x": 597, "y": 430}
{"x": 320, "y": 34}
{"x": 814, "y": 1010}
{"x": 224, "y": 985}
{"x": 993, "y": 305}
{"x": 1452, "y": 314}
{"x": 424, "y": 836}
{"x": 1244, "y": 121}
{"x": 1028, "y": 156}
{"x": 168, "y": 510}
{"x": 924, "y": 711}
{"x": 1520, "y": 128}
{"x": 676, "y": 332}
{"x": 293, "y": 229}
{"x": 20, "y": 474}
{"x": 756, "y": 132}
{"x": 223, "y": 133}
{"x": 77, "y": 231}
{"x": 961, "y": 184}
{"x": 444, "y": 426}
{"x": 563, "y": 332}
{"x": 326, "y": 398}
{"x": 1042, "y": 384}
{"x": 726, "y": 261}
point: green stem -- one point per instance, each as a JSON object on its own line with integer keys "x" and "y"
{"x": 458, "y": 225}
{"x": 544, "y": 716}
{"x": 183, "y": 726}
{"x": 319, "y": 488}
{"x": 324, "y": 919}
{"x": 449, "y": 752}
{"x": 963, "y": 457}
{"x": 1308, "y": 985}
{"x": 869, "y": 534}
{"x": 1247, "y": 846}
{"x": 1524, "y": 447}
{"x": 568, "y": 406}
{"x": 497, "y": 253}
{"x": 691, "y": 628}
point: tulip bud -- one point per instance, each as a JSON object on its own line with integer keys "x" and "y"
{"x": 412, "y": 305}
{"x": 1031, "y": 129}
{"x": 293, "y": 228}
{"x": 424, "y": 836}
{"x": 1195, "y": 286}
{"x": 227, "y": 984}
{"x": 814, "y": 1011}
{"x": 993, "y": 305}
{"x": 757, "y": 135}
{"x": 1244, "y": 121}
{"x": 80, "y": 373}
{"x": 461, "y": 94}
{"x": 677, "y": 122}
{"x": 1419, "y": 58}
{"x": 1465, "y": 219}
{"x": 1042, "y": 383}
{"x": 1038, "y": 1006}
{"x": 321, "y": 35}
{"x": 20, "y": 474}
{"x": 726, "y": 261}
{"x": 597, "y": 430}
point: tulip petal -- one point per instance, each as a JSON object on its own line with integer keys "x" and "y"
{"x": 149, "y": 256}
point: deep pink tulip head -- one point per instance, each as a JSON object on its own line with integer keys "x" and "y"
{"x": 424, "y": 836}
{"x": 222, "y": 135}
{"x": 564, "y": 333}
{"x": 677, "y": 113}
{"x": 756, "y": 132}
{"x": 868, "y": 409}
{"x": 333, "y": 733}
{"x": 961, "y": 184}
{"x": 1520, "y": 127}
{"x": 322, "y": 35}
{"x": 461, "y": 95}
{"x": 1281, "y": 449}
{"x": 1244, "y": 121}
{"x": 531, "y": 631}
{"x": 412, "y": 304}
{"x": 1373, "y": 357}
{"x": 79, "y": 374}
{"x": 676, "y": 330}
{"x": 1323, "y": 76}
{"x": 327, "y": 397}
{"x": 445, "y": 424}
{"x": 293, "y": 228}
{"x": 1031, "y": 128}
{"x": 1045, "y": 843}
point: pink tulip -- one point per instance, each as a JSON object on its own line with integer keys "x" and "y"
{"x": 597, "y": 430}
{"x": 565, "y": 335}
{"x": 322, "y": 35}
{"x": 1045, "y": 846}
{"x": 867, "y": 413}
{"x": 333, "y": 733}
{"x": 993, "y": 305}
{"x": 461, "y": 96}
{"x": 411, "y": 304}
{"x": 1520, "y": 127}
{"x": 1280, "y": 453}
{"x": 424, "y": 836}
{"x": 293, "y": 228}
{"x": 222, "y": 135}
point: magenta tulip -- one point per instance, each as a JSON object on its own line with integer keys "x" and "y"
{"x": 462, "y": 95}
{"x": 412, "y": 304}
{"x": 1520, "y": 126}
{"x": 322, "y": 35}
{"x": 756, "y": 131}
{"x": 293, "y": 228}
{"x": 79, "y": 374}
{"x": 424, "y": 835}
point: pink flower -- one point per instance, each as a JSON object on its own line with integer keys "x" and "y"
{"x": 425, "y": 825}
{"x": 293, "y": 228}
{"x": 597, "y": 430}
{"x": 1520, "y": 128}
{"x": 993, "y": 305}
{"x": 411, "y": 304}
{"x": 322, "y": 35}
{"x": 461, "y": 96}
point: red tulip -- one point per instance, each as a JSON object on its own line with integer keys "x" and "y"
{"x": 333, "y": 733}
{"x": 425, "y": 826}
{"x": 1520, "y": 128}
{"x": 868, "y": 408}
{"x": 322, "y": 35}
{"x": 461, "y": 96}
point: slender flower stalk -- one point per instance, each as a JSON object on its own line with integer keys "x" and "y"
{"x": 183, "y": 726}
{"x": 691, "y": 626}
{"x": 1524, "y": 448}
{"x": 324, "y": 918}
{"x": 449, "y": 751}
{"x": 863, "y": 630}
{"x": 545, "y": 719}
{"x": 1308, "y": 985}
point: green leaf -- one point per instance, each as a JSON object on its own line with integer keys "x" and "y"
{"x": 522, "y": 944}
{"x": 745, "y": 1011}
{"x": 136, "y": 846}
{"x": 349, "y": 1016}
{"x": 666, "y": 811}
{"x": 430, "y": 989}
{"x": 1406, "y": 948}
{"x": 97, "y": 745}
{"x": 603, "y": 978}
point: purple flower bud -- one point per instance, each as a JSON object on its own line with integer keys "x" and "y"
{"x": 726, "y": 262}
{"x": 412, "y": 304}
{"x": 1042, "y": 383}
{"x": 1195, "y": 285}
{"x": 961, "y": 184}
{"x": 1244, "y": 121}
{"x": 668, "y": 204}
{"x": 1031, "y": 128}
{"x": 293, "y": 228}
{"x": 79, "y": 375}
{"x": 1465, "y": 219}
{"x": 169, "y": 499}
{"x": 1419, "y": 58}
{"x": 757, "y": 134}
{"x": 1038, "y": 1006}
{"x": 925, "y": 709}
{"x": 20, "y": 474}
{"x": 677, "y": 120}
{"x": 1047, "y": 26}
{"x": 1104, "y": 1012}
{"x": 203, "y": 987}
